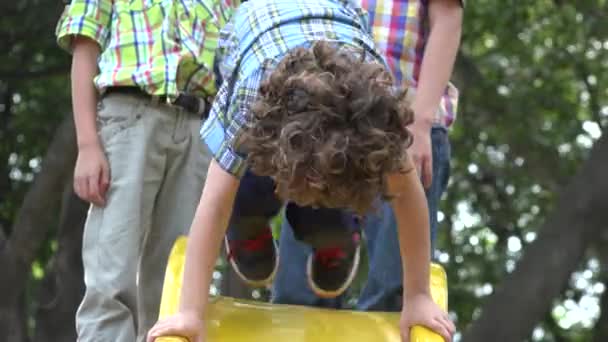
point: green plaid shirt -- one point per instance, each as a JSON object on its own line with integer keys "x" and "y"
{"x": 164, "y": 47}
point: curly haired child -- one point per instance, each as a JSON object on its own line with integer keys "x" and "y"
{"x": 307, "y": 116}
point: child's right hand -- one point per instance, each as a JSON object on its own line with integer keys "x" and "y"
{"x": 421, "y": 310}
{"x": 184, "y": 324}
{"x": 92, "y": 174}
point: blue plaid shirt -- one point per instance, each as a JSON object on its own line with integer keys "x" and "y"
{"x": 258, "y": 36}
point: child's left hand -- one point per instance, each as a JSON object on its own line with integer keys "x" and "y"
{"x": 185, "y": 324}
{"x": 421, "y": 310}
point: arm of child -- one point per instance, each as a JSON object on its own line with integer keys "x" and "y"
{"x": 204, "y": 242}
{"x": 411, "y": 213}
{"x": 445, "y": 21}
{"x": 92, "y": 172}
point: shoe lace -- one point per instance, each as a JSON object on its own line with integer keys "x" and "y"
{"x": 254, "y": 244}
{"x": 330, "y": 257}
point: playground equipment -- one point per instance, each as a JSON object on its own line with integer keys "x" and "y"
{"x": 232, "y": 320}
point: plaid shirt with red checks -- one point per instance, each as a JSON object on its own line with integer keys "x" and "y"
{"x": 400, "y": 31}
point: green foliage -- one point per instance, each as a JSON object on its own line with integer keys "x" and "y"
{"x": 533, "y": 101}
{"x": 34, "y": 97}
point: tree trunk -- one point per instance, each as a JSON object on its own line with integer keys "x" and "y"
{"x": 527, "y": 294}
{"x": 37, "y": 214}
{"x": 63, "y": 287}
{"x": 600, "y": 331}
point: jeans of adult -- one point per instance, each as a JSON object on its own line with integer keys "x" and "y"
{"x": 383, "y": 290}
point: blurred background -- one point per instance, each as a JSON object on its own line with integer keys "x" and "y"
{"x": 524, "y": 224}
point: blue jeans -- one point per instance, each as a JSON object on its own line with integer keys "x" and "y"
{"x": 383, "y": 289}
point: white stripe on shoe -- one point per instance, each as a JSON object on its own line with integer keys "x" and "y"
{"x": 333, "y": 293}
{"x": 254, "y": 283}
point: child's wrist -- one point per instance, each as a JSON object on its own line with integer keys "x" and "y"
{"x": 196, "y": 306}
{"x": 412, "y": 297}
{"x": 195, "y": 312}
{"x": 86, "y": 133}
{"x": 86, "y": 143}
{"x": 411, "y": 294}
{"x": 423, "y": 114}
{"x": 425, "y": 120}
{"x": 417, "y": 291}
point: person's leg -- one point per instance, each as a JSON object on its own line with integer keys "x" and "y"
{"x": 113, "y": 234}
{"x": 383, "y": 289}
{"x": 291, "y": 282}
{"x": 187, "y": 162}
{"x": 443, "y": 153}
{"x": 325, "y": 243}
{"x": 250, "y": 247}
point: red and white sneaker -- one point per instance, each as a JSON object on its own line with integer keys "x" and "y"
{"x": 255, "y": 260}
{"x": 331, "y": 270}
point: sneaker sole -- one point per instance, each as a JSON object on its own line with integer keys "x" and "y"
{"x": 254, "y": 283}
{"x": 333, "y": 293}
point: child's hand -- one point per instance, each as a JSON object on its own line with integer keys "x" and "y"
{"x": 421, "y": 310}
{"x": 92, "y": 174}
{"x": 421, "y": 151}
{"x": 184, "y": 324}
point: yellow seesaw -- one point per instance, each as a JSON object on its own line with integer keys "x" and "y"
{"x": 232, "y": 320}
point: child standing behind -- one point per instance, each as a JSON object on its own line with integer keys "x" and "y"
{"x": 141, "y": 73}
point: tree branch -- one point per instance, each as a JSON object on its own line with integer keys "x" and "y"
{"x": 62, "y": 288}
{"x": 527, "y": 294}
{"x": 600, "y": 331}
{"x": 35, "y": 213}
{"x": 30, "y": 229}
{"x": 593, "y": 93}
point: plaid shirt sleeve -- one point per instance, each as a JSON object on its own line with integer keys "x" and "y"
{"x": 222, "y": 131}
{"x": 88, "y": 18}
{"x": 226, "y": 51}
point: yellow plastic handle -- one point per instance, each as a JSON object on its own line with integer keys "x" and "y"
{"x": 235, "y": 320}
{"x": 172, "y": 339}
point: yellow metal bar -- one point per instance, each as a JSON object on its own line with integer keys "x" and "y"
{"x": 242, "y": 320}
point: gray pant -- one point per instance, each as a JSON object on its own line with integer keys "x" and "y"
{"x": 157, "y": 165}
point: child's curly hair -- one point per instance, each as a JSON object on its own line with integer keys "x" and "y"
{"x": 327, "y": 127}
